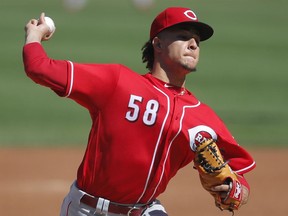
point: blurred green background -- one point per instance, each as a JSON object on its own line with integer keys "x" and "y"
{"x": 242, "y": 72}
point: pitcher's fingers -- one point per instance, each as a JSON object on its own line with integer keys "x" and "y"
{"x": 41, "y": 18}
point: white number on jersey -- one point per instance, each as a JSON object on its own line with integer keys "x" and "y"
{"x": 150, "y": 114}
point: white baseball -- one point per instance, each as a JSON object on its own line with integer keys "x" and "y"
{"x": 50, "y": 24}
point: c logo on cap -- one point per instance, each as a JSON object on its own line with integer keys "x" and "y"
{"x": 190, "y": 14}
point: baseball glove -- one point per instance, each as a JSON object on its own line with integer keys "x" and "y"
{"x": 213, "y": 171}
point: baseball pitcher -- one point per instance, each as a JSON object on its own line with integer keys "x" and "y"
{"x": 144, "y": 127}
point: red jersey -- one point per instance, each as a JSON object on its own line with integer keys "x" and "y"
{"x": 143, "y": 130}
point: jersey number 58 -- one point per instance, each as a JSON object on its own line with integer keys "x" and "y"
{"x": 134, "y": 110}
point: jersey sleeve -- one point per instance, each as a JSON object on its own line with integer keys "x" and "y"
{"x": 92, "y": 84}
{"x": 239, "y": 159}
{"x": 88, "y": 84}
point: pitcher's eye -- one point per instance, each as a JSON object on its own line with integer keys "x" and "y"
{"x": 183, "y": 37}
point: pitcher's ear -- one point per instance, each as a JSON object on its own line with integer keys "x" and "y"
{"x": 156, "y": 42}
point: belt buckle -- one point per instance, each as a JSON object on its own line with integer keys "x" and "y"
{"x": 131, "y": 210}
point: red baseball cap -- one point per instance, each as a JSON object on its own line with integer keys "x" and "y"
{"x": 176, "y": 15}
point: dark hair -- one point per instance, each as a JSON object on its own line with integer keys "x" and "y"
{"x": 148, "y": 54}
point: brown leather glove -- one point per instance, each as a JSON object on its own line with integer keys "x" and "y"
{"x": 213, "y": 171}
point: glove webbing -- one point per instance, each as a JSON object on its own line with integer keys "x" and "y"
{"x": 205, "y": 164}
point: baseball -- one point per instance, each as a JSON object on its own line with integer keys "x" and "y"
{"x": 50, "y": 24}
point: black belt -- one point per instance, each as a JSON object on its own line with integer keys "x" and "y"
{"x": 114, "y": 208}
